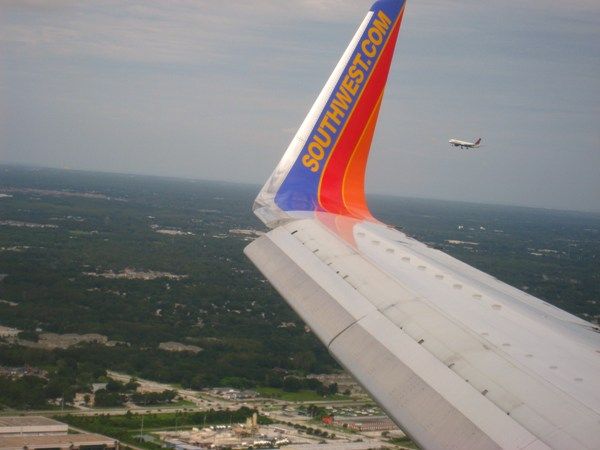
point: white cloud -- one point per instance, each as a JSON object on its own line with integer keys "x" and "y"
{"x": 181, "y": 31}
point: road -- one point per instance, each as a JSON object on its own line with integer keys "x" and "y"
{"x": 277, "y": 409}
{"x": 204, "y": 400}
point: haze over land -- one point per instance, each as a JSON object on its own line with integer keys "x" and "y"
{"x": 104, "y": 277}
{"x": 146, "y": 260}
{"x": 217, "y": 89}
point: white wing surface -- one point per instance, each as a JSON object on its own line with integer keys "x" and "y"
{"x": 457, "y": 358}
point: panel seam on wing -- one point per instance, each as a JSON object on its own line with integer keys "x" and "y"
{"x": 344, "y": 330}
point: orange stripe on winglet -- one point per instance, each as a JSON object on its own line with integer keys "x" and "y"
{"x": 356, "y": 136}
{"x": 353, "y": 187}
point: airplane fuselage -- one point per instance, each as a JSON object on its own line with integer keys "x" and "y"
{"x": 465, "y": 144}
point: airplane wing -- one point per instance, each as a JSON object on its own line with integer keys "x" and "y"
{"x": 458, "y": 359}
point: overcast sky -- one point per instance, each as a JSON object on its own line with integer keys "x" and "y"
{"x": 216, "y": 89}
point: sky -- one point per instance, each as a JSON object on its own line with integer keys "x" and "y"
{"x": 216, "y": 90}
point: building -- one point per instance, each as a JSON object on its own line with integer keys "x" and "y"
{"x": 82, "y": 441}
{"x": 233, "y": 394}
{"x": 373, "y": 423}
{"x": 18, "y": 372}
{"x": 30, "y": 426}
{"x": 98, "y": 387}
{"x": 180, "y": 445}
{"x": 42, "y": 433}
{"x": 344, "y": 381}
{"x": 369, "y": 445}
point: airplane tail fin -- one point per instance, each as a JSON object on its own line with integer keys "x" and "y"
{"x": 324, "y": 167}
{"x": 478, "y": 142}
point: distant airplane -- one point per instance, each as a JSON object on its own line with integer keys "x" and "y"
{"x": 457, "y": 358}
{"x": 465, "y": 144}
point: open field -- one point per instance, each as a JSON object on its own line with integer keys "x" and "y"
{"x": 300, "y": 396}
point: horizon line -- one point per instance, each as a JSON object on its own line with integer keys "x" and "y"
{"x": 259, "y": 185}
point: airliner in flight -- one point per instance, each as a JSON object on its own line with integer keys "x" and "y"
{"x": 465, "y": 144}
{"x": 457, "y": 358}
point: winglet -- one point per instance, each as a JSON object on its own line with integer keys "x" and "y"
{"x": 324, "y": 166}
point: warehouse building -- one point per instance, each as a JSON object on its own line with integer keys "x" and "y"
{"x": 82, "y": 441}
{"x": 42, "y": 433}
{"x": 30, "y": 426}
{"x": 372, "y": 423}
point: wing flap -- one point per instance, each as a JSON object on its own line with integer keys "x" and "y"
{"x": 437, "y": 409}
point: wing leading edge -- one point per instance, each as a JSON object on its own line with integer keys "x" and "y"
{"x": 457, "y": 358}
